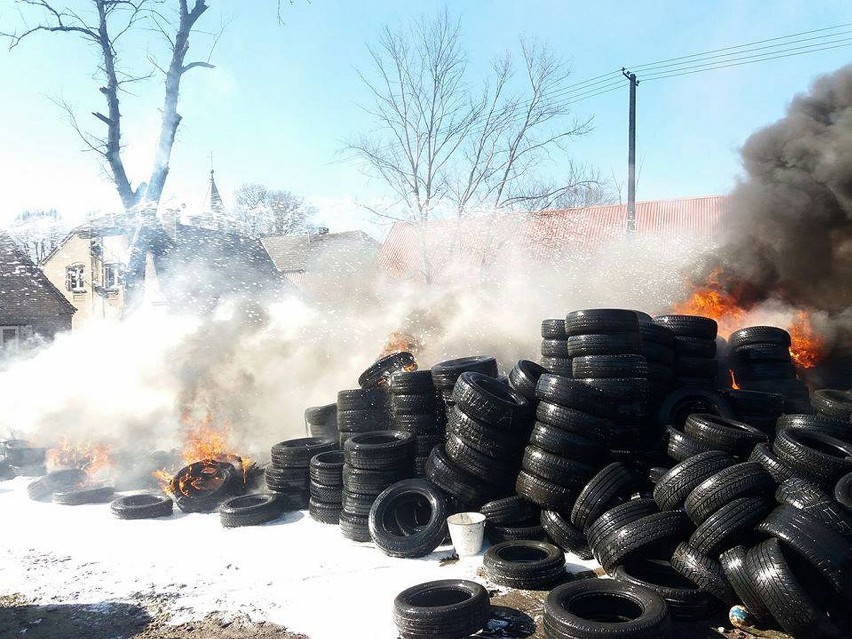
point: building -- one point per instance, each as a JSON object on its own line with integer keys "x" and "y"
{"x": 445, "y": 248}
{"x": 29, "y": 304}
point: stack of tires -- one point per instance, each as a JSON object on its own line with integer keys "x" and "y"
{"x": 554, "y": 347}
{"x": 658, "y": 348}
{"x": 417, "y": 409}
{"x": 322, "y": 421}
{"x": 372, "y": 462}
{"x": 488, "y": 427}
{"x": 759, "y": 357}
{"x": 695, "y": 363}
{"x": 445, "y": 374}
{"x": 362, "y": 411}
{"x": 606, "y": 345}
{"x": 288, "y": 475}
{"x": 22, "y": 459}
{"x": 326, "y": 489}
{"x": 511, "y": 518}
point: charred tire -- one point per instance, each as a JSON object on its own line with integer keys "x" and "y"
{"x": 445, "y": 374}
{"x": 833, "y": 403}
{"x": 544, "y": 493}
{"x": 680, "y": 446}
{"x": 385, "y": 514}
{"x": 733, "y": 563}
{"x": 689, "y": 325}
{"x": 816, "y": 504}
{"x": 486, "y": 399}
{"x": 559, "y": 470}
{"x": 704, "y": 571}
{"x": 354, "y": 527}
{"x": 377, "y": 375}
{"x": 731, "y": 525}
{"x": 780, "y": 471}
{"x": 84, "y": 495}
{"x": 379, "y": 450}
{"x": 843, "y": 492}
{"x": 721, "y": 433}
{"x": 748, "y": 479}
{"x": 605, "y": 609}
{"x": 508, "y": 510}
{"x": 817, "y": 456}
{"x": 145, "y": 506}
{"x": 249, "y": 510}
{"x": 608, "y": 488}
{"x": 574, "y": 421}
{"x": 327, "y": 468}
{"x": 324, "y": 513}
{"x": 601, "y": 320}
{"x": 684, "y": 599}
{"x": 525, "y": 564}
{"x": 297, "y": 453}
{"x": 610, "y": 344}
{"x": 564, "y": 535}
{"x": 464, "y": 487}
{"x": 522, "y": 531}
{"x": 43, "y": 488}
{"x": 567, "y": 444}
{"x": 607, "y": 366}
{"x": 681, "y": 403}
{"x": 524, "y": 377}
{"x": 651, "y": 537}
{"x": 617, "y": 517}
{"x": 448, "y": 608}
{"x": 674, "y": 487}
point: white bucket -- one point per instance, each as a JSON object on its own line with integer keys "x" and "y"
{"x": 466, "y": 531}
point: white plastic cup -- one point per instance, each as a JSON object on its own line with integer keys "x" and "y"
{"x": 466, "y": 531}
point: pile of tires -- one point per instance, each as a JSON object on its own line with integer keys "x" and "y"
{"x": 554, "y": 347}
{"x": 488, "y": 427}
{"x": 22, "y": 459}
{"x": 445, "y": 374}
{"x": 322, "y": 421}
{"x": 372, "y": 462}
{"x": 362, "y": 411}
{"x": 288, "y": 476}
{"x": 759, "y": 357}
{"x": 695, "y": 364}
{"x": 326, "y": 487}
{"x": 417, "y": 408}
{"x": 658, "y": 348}
{"x": 833, "y": 403}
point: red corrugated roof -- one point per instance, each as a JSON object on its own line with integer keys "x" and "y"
{"x": 542, "y": 235}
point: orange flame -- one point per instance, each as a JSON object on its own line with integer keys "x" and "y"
{"x": 95, "y": 459}
{"x": 806, "y": 348}
{"x": 711, "y": 301}
{"x": 400, "y": 341}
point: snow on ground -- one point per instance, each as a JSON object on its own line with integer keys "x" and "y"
{"x": 294, "y": 572}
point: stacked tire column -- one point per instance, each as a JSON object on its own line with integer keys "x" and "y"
{"x": 288, "y": 475}
{"x": 362, "y": 411}
{"x": 417, "y": 408}
{"x": 326, "y": 476}
{"x": 554, "y": 347}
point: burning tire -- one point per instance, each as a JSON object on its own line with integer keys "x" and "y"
{"x": 249, "y": 510}
{"x": 145, "y": 506}
{"x": 378, "y": 374}
{"x": 84, "y": 495}
{"x": 409, "y": 519}
{"x": 448, "y": 608}
{"x": 203, "y": 485}
{"x": 43, "y": 489}
{"x": 525, "y": 564}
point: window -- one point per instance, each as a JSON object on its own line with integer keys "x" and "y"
{"x": 112, "y": 274}
{"x": 10, "y": 339}
{"x": 74, "y": 278}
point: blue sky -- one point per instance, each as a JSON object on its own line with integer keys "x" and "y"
{"x": 283, "y": 99}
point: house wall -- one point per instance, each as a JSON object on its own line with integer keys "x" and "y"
{"x": 90, "y": 305}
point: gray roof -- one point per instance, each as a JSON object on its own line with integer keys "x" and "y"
{"x": 309, "y": 253}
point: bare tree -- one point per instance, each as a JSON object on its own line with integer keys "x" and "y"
{"x": 261, "y": 211}
{"x": 104, "y": 25}
{"x": 441, "y": 143}
{"x": 38, "y": 232}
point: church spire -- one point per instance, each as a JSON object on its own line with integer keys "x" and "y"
{"x": 216, "y": 205}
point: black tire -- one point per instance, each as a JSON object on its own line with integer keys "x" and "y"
{"x": 326, "y": 494}
{"x": 605, "y": 608}
{"x": 570, "y": 393}
{"x": 564, "y": 535}
{"x": 825, "y": 550}
{"x": 462, "y": 486}
{"x": 327, "y": 468}
{"x": 559, "y": 470}
{"x": 627, "y": 390}
{"x": 699, "y": 367}
{"x": 490, "y": 470}
{"x": 759, "y": 335}
{"x": 445, "y": 374}
{"x": 297, "y": 453}
{"x": 554, "y": 348}
{"x": 488, "y": 440}
{"x": 733, "y": 563}
{"x": 553, "y": 329}
{"x": 380, "y": 450}
{"x": 780, "y": 471}
{"x": 658, "y": 354}
{"x": 486, "y": 399}
{"x": 321, "y": 414}
{"x": 657, "y": 334}
{"x": 411, "y": 383}
{"x": 819, "y": 457}
{"x": 377, "y": 375}
{"x": 704, "y": 571}
{"x": 249, "y": 510}
{"x": 524, "y": 377}
{"x": 612, "y": 485}
{"x": 617, "y": 517}
{"x": 745, "y": 402}
{"x": 674, "y": 487}
{"x": 354, "y": 527}
{"x": 449, "y": 608}
{"x": 286, "y": 479}
{"x": 681, "y": 403}
{"x": 601, "y": 320}
{"x": 820, "y": 423}
{"x": 798, "y": 608}
{"x": 544, "y": 493}
{"x": 324, "y": 513}
{"x": 508, "y": 510}
{"x": 561, "y": 366}
{"x": 361, "y": 399}
{"x": 567, "y": 444}
{"x": 748, "y": 479}
{"x": 731, "y": 525}
{"x": 530, "y": 530}
{"x": 364, "y": 421}
{"x": 42, "y": 489}
{"x": 525, "y": 564}
{"x": 385, "y": 515}
{"x": 144, "y": 506}
{"x": 373, "y": 482}
{"x": 651, "y": 537}
{"x": 574, "y": 421}
{"x": 816, "y": 504}
{"x": 694, "y": 347}
{"x": 689, "y": 325}
{"x": 833, "y": 403}
{"x": 680, "y": 446}
{"x": 684, "y": 599}
{"x": 84, "y": 495}
{"x": 611, "y": 344}
{"x": 420, "y": 424}
{"x": 357, "y": 504}
{"x": 759, "y": 352}
{"x": 415, "y": 404}
{"x": 758, "y": 371}
{"x": 606, "y": 366}
{"x": 721, "y": 433}
{"x": 843, "y": 492}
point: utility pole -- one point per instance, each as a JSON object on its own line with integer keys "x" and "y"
{"x": 631, "y": 154}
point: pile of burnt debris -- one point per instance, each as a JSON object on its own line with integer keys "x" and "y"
{"x": 627, "y": 444}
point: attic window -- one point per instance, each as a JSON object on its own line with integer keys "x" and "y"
{"x": 74, "y": 281}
